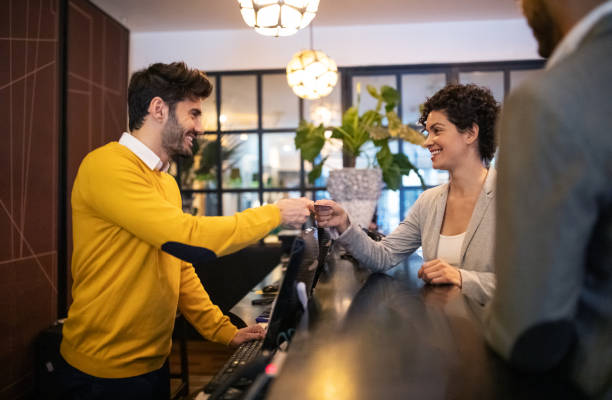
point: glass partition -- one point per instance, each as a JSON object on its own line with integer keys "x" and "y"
{"x": 416, "y": 88}
{"x": 281, "y": 162}
{"x": 494, "y": 80}
{"x": 360, "y": 84}
{"x": 236, "y": 202}
{"x": 259, "y": 120}
{"x": 240, "y": 160}
{"x": 209, "y": 108}
{"x": 280, "y": 105}
{"x": 238, "y": 102}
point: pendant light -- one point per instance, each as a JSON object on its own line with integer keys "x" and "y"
{"x": 311, "y": 74}
{"x": 278, "y": 17}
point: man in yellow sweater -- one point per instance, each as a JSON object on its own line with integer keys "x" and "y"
{"x": 134, "y": 247}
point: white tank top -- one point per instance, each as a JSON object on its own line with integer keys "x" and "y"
{"x": 449, "y": 248}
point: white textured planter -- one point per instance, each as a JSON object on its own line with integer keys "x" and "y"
{"x": 357, "y": 191}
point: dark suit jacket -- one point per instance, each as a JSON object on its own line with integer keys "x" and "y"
{"x": 553, "y": 261}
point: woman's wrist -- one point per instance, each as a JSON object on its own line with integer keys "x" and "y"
{"x": 344, "y": 224}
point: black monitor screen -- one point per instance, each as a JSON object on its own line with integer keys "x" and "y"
{"x": 287, "y": 310}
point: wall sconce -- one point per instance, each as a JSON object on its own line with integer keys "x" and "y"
{"x": 278, "y": 17}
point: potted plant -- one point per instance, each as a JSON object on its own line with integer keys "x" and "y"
{"x": 358, "y": 190}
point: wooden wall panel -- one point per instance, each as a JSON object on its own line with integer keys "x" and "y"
{"x": 97, "y": 88}
{"x": 30, "y": 112}
{"x": 28, "y": 199}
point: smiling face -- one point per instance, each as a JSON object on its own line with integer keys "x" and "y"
{"x": 183, "y": 125}
{"x": 448, "y": 146}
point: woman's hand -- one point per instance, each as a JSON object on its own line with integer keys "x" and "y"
{"x": 440, "y": 272}
{"x": 329, "y": 214}
{"x": 247, "y": 334}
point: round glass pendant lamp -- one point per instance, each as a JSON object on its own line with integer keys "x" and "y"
{"x": 278, "y": 17}
{"x": 311, "y": 74}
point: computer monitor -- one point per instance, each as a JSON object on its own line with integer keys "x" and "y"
{"x": 310, "y": 259}
{"x": 286, "y": 309}
{"x": 317, "y": 242}
{"x": 324, "y": 242}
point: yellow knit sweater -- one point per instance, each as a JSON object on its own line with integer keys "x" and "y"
{"x": 126, "y": 289}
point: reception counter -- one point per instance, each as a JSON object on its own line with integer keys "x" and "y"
{"x": 389, "y": 336}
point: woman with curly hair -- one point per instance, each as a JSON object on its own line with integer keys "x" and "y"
{"x": 454, "y": 222}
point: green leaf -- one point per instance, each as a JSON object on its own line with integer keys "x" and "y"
{"x": 402, "y": 161}
{"x": 316, "y": 171}
{"x": 392, "y": 177}
{"x": 390, "y": 95}
{"x": 338, "y": 133}
{"x": 378, "y": 134}
{"x": 374, "y": 92}
{"x": 411, "y": 135}
{"x": 350, "y": 118}
{"x": 405, "y": 166}
{"x": 349, "y": 143}
{"x": 309, "y": 140}
{"x": 370, "y": 117}
{"x": 381, "y": 142}
{"x": 312, "y": 148}
{"x": 384, "y": 157}
{"x": 394, "y": 123}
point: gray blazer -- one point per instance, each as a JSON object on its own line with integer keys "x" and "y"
{"x": 554, "y": 221}
{"x": 422, "y": 228}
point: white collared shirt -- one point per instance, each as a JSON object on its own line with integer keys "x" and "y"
{"x": 141, "y": 150}
{"x": 572, "y": 40}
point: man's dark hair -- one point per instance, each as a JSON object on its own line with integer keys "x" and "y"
{"x": 465, "y": 105}
{"x": 172, "y": 82}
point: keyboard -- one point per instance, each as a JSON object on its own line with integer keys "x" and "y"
{"x": 246, "y": 352}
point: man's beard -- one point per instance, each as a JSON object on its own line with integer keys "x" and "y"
{"x": 173, "y": 138}
{"x": 543, "y": 26}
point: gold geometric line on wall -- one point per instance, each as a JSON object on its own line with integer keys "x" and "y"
{"x": 114, "y": 118}
{"x": 94, "y": 84}
{"x": 41, "y": 267}
{"x": 27, "y": 75}
{"x": 46, "y": 253}
{"x": 26, "y": 178}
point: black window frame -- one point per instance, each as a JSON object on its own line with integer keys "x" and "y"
{"x": 346, "y": 74}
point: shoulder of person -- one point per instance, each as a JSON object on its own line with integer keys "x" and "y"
{"x": 109, "y": 160}
{"x": 105, "y": 154}
{"x": 112, "y": 155}
{"x": 431, "y": 194}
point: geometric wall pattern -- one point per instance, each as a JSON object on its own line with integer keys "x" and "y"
{"x": 97, "y": 54}
{"x": 28, "y": 178}
{"x": 98, "y": 51}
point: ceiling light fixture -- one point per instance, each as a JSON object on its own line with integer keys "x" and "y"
{"x": 278, "y": 17}
{"x": 311, "y": 74}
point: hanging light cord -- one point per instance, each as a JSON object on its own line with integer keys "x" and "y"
{"x": 311, "y": 46}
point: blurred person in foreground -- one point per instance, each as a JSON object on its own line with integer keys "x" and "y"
{"x": 553, "y": 304}
{"x": 454, "y": 222}
{"x": 134, "y": 246}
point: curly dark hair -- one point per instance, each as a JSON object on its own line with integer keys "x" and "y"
{"x": 465, "y": 105}
{"x": 172, "y": 82}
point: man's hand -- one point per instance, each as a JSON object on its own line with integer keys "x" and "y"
{"x": 440, "y": 272}
{"x": 294, "y": 212}
{"x": 249, "y": 333}
{"x": 329, "y": 214}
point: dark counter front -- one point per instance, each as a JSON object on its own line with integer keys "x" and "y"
{"x": 388, "y": 336}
